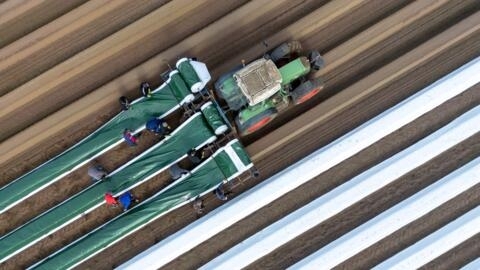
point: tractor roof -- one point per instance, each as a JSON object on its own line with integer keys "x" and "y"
{"x": 259, "y": 80}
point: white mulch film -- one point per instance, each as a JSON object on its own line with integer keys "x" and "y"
{"x": 320, "y": 161}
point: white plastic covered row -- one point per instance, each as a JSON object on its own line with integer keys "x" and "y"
{"x": 473, "y": 265}
{"x": 435, "y": 244}
{"x": 306, "y": 169}
{"x": 394, "y": 218}
{"x": 347, "y": 194}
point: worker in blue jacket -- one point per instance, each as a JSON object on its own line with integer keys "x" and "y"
{"x": 126, "y": 200}
{"x": 158, "y": 126}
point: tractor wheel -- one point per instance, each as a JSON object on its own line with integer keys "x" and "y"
{"x": 285, "y": 50}
{"x": 257, "y": 122}
{"x": 307, "y": 90}
{"x": 316, "y": 60}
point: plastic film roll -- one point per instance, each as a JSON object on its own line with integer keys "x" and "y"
{"x": 189, "y": 74}
{"x": 179, "y": 88}
{"x": 213, "y": 117}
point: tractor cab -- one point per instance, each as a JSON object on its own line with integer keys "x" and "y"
{"x": 259, "y": 80}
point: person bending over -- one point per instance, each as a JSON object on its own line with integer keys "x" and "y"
{"x": 158, "y": 126}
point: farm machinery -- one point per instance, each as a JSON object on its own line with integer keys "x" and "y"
{"x": 255, "y": 93}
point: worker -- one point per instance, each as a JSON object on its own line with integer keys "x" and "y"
{"x": 124, "y": 103}
{"x": 110, "y": 200}
{"x": 158, "y": 126}
{"x": 145, "y": 89}
{"x": 97, "y": 172}
{"x": 176, "y": 171}
{"x": 195, "y": 156}
{"x": 130, "y": 138}
{"x": 126, "y": 200}
{"x": 220, "y": 192}
{"x": 198, "y": 206}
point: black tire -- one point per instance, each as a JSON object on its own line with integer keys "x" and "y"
{"x": 285, "y": 50}
{"x": 306, "y": 91}
{"x": 256, "y": 123}
{"x": 316, "y": 60}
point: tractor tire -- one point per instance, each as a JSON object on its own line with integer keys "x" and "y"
{"x": 255, "y": 123}
{"x": 316, "y": 60}
{"x": 306, "y": 91}
{"x": 285, "y": 50}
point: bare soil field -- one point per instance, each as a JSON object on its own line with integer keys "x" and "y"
{"x": 63, "y": 71}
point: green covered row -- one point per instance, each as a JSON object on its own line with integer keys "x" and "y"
{"x": 226, "y": 163}
{"x": 193, "y": 133}
{"x": 106, "y": 136}
{"x": 164, "y": 100}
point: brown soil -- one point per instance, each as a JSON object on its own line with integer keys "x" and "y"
{"x": 88, "y": 24}
{"x": 18, "y": 18}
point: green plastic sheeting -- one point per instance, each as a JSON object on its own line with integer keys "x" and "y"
{"x": 225, "y": 164}
{"x": 191, "y": 134}
{"x": 203, "y": 179}
{"x": 161, "y": 102}
{"x": 240, "y": 151}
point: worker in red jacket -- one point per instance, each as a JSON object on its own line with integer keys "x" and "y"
{"x": 130, "y": 138}
{"x": 110, "y": 200}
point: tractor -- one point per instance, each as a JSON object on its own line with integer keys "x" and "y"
{"x": 257, "y": 92}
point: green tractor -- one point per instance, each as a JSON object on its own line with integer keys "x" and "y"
{"x": 257, "y": 92}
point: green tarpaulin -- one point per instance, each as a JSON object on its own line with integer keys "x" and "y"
{"x": 240, "y": 151}
{"x": 161, "y": 102}
{"x": 203, "y": 179}
{"x": 191, "y": 134}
